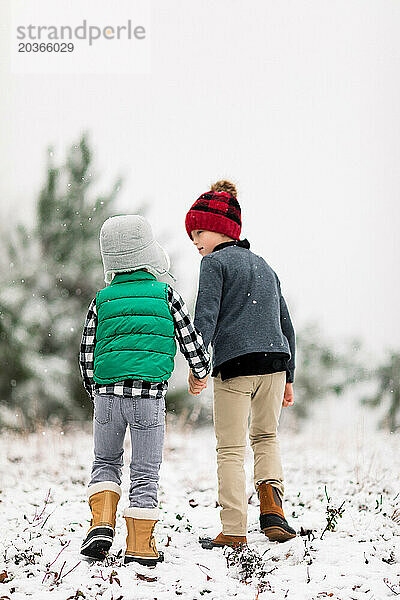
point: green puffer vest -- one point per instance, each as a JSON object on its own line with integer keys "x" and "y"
{"x": 135, "y": 337}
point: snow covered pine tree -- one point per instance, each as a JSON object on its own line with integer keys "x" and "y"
{"x": 46, "y": 286}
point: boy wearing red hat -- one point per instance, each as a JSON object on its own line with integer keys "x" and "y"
{"x": 240, "y": 310}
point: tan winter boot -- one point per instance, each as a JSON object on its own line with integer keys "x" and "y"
{"x": 222, "y": 540}
{"x": 103, "y": 501}
{"x": 140, "y": 543}
{"x": 272, "y": 519}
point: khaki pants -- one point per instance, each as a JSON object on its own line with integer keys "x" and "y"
{"x": 234, "y": 399}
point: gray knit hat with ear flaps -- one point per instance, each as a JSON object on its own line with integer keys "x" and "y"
{"x": 127, "y": 244}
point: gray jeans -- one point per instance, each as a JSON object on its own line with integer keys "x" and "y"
{"x": 146, "y": 420}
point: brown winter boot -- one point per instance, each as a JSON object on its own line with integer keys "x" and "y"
{"x": 103, "y": 501}
{"x": 140, "y": 543}
{"x": 223, "y": 540}
{"x": 272, "y": 519}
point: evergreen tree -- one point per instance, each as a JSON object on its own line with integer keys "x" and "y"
{"x": 53, "y": 272}
{"x": 321, "y": 370}
{"x": 388, "y": 392}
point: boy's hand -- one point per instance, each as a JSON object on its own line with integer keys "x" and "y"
{"x": 196, "y": 386}
{"x": 288, "y": 398}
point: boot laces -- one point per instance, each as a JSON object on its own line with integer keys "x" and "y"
{"x": 152, "y": 542}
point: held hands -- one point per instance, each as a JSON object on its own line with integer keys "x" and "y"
{"x": 196, "y": 386}
{"x": 288, "y": 398}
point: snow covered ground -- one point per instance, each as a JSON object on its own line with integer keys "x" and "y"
{"x": 45, "y": 515}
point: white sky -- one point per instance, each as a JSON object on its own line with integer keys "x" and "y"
{"x": 297, "y": 101}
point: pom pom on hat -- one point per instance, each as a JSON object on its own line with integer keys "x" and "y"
{"x": 223, "y": 185}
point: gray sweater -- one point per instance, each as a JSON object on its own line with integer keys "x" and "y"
{"x": 240, "y": 307}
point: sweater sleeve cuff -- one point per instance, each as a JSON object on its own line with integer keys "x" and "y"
{"x": 289, "y": 377}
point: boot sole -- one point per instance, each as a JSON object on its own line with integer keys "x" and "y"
{"x": 209, "y": 544}
{"x": 277, "y": 534}
{"x": 97, "y": 549}
{"x": 145, "y": 562}
{"x": 97, "y": 543}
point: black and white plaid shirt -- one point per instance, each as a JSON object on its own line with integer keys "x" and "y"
{"x": 189, "y": 340}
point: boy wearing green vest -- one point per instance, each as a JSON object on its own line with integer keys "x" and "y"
{"x": 126, "y": 358}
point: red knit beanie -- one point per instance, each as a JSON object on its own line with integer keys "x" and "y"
{"x": 217, "y": 210}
